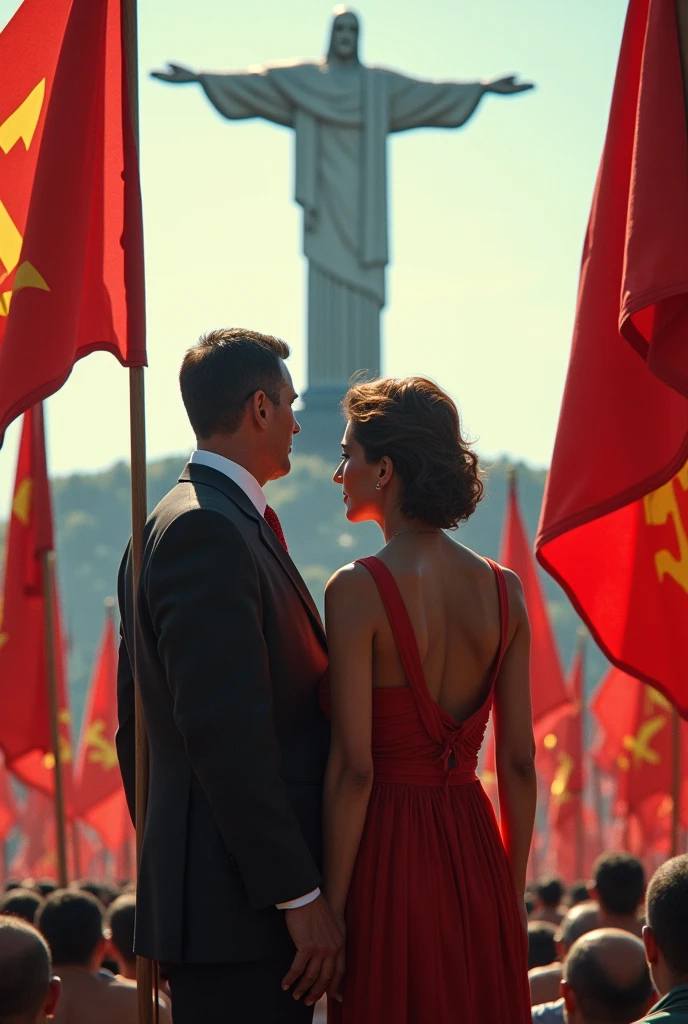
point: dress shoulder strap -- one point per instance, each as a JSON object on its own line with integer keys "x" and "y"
{"x": 503, "y": 596}
{"x": 400, "y": 622}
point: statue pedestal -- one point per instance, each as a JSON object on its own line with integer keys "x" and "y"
{"x": 322, "y": 424}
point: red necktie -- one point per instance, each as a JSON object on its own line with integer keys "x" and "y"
{"x": 272, "y": 519}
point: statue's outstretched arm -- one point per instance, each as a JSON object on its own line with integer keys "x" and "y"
{"x": 236, "y": 94}
{"x": 418, "y": 103}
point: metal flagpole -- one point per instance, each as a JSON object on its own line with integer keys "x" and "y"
{"x": 137, "y": 420}
{"x": 48, "y": 560}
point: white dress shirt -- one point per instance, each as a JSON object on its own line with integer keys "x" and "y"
{"x": 252, "y": 489}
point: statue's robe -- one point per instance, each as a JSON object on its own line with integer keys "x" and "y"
{"x": 341, "y": 118}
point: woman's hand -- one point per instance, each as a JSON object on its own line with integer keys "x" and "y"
{"x": 333, "y": 989}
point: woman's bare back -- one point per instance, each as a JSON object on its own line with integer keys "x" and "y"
{"x": 451, "y": 597}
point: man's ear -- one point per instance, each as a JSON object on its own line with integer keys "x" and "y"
{"x": 650, "y": 943}
{"x": 258, "y": 405}
{"x": 569, "y": 997}
{"x": 52, "y": 998}
{"x": 593, "y": 892}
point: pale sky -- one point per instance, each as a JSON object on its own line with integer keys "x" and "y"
{"x": 487, "y": 221}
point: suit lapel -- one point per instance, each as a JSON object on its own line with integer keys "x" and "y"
{"x": 194, "y": 473}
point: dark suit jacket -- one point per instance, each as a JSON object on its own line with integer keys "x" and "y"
{"x": 230, "y": 650}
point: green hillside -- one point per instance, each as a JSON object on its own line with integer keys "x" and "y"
{"x": 93, "y": 523}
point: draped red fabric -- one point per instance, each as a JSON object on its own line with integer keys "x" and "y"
{"x": 614, "y": 523}
{"x": 71, "y": 244}
{"x": 24, "y": 724}
{"x": 97, "y": 781}
{"x": 548, "y": 690}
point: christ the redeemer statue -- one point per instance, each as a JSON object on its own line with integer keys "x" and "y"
{"x": 342, "y": 111}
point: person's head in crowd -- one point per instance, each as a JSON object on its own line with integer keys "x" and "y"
{"x": 72, "y": 922}
{"x": 12, "y": 883}
{"x": 28, "y": 991}
{"x": 579, "y": 920}
{"x": 548, "y": 896}
{"x": 103, "y": 891}
{"x": 45, "y": 886}
{"x": 119, "y": 924}
{"x": 529, "y": 901}
{"x": 542, "y": 948}
{"x": 605, "y": 979}
{"x": 618, "y": 886}
{"x": 545, "y": 981}
{"x": 666, "y": 933}
{"x": 23, "y": 903}
{"x": 577, "y": 893}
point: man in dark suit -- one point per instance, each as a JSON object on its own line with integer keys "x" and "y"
{"x": 230, "y": 651}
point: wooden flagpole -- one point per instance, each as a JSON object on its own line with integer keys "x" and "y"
{"x": 580, "y": 823}
{"x": 682, "y": 25}
{"x": 48, "y": 560}
{"x": 137, "y": 421}
{"x": 675, "y": 782}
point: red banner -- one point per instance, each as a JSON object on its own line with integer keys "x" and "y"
{"x": 71, "y": 242}
{"x": 614, "y": 524}
{"x": 25, "y": 735}
{"x": 99, "y": 795}
{"x": 547, "y": 687}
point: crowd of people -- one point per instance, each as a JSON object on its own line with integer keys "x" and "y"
{"x": 67, "y": 954}
{"x": 610, "y": 951}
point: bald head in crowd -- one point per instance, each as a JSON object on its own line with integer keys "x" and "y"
{"x": 28, "y": 992}
{"x": 606, "y": 980}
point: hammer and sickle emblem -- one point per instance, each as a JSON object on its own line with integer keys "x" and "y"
{"x": 101, "y": 750}
{"x": 63, "y": 718}
{"x": 22, "y": 125}
{"x": 660, "y": 507}
{"x": 560, "y": 783}
{"x": 639, "y": 745}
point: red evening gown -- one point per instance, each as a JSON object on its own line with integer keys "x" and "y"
{"x": 434, "y": 932}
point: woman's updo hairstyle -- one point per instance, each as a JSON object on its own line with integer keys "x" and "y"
{"x": 416, "y": 425}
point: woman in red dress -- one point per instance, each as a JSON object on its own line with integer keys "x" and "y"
{"x": 424, "y": 639}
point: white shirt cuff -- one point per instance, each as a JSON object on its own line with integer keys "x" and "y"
{"x": 302, "y": 901}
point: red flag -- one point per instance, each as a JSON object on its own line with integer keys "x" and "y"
{"x": 97, "y": 780}
{"x": 25, "y": 734}
{"x": 71, "y": 249}
{"x": 37, "y": 853}
{"x": 548, "y": 690}
{"x": 638, "y": 742}
{"x": 566, "y": 790}
{"x": 614, "y": 524}
{"x": 8, "y": 806}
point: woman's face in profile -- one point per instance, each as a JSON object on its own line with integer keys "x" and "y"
{"x": 358, "y": 479}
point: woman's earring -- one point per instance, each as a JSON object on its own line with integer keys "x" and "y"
{"x": 378, "y": 486}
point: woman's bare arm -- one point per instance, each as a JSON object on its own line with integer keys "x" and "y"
{"x": 514, "y": 744}
{"x": 349, "y": 613}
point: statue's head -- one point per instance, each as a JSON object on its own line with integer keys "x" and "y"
{"x": 344, "y": 35}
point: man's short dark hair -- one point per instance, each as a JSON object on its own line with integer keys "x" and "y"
{"x": 103, "y": 891}
{"x": 550, "y": 892}
{"x": 667, "y": 912}
{"x": 221, "y": 372}
{"x": 23, "y": 903}
{"x": 542, "y": 949}
{"x": 600, "y": 998}
{"x": 24, "y": 970}
{"x": 72, "y": 923}
{"x": 120, "y": 920}
{"x": 45, "y": 886}
{"x": 12, "y": 883}
{"x": 620, "y": 882}
{"x": 577, "y": 893}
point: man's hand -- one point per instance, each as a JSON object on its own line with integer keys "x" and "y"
{"x": 508, "y": 86}
{"x": 318, "y": 939}
{"x": 177, "y": 74}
